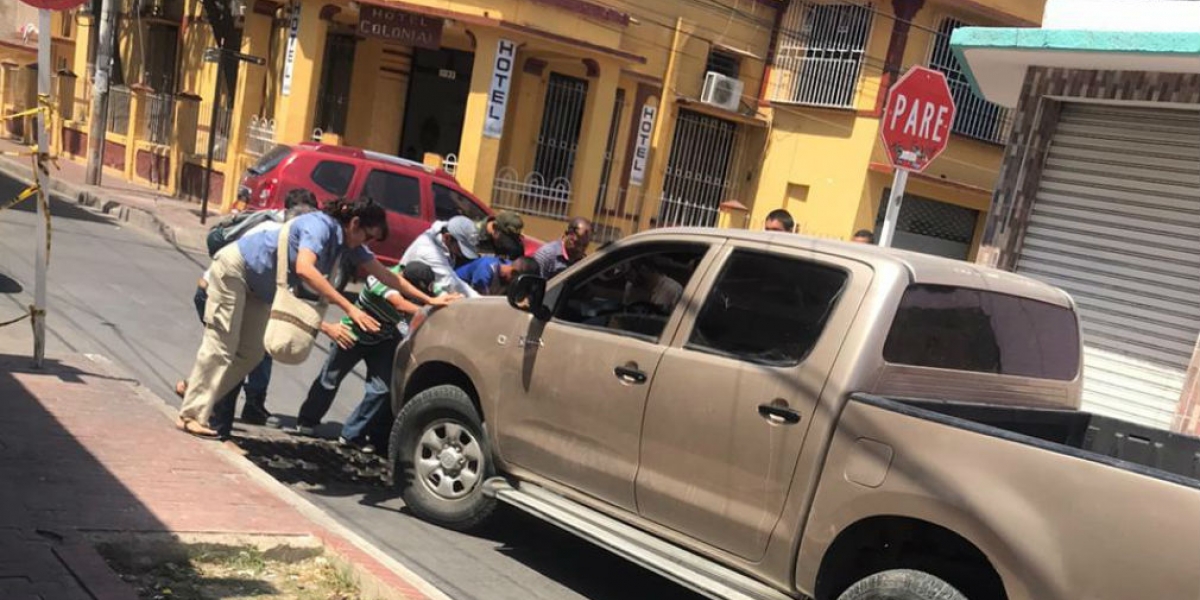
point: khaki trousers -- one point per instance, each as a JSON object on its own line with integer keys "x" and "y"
{"x": 234, "y": 324}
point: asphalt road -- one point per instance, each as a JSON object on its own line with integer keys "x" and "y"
{"x": 126, "y": 295}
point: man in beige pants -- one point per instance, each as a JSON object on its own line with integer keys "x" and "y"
{"x": 231, "y": 309}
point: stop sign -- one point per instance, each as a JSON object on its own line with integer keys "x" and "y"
{"x": 916, "y": 124}
{"x": 54, "y": 4}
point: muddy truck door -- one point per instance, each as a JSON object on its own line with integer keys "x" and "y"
{"x": 735, "y": 393}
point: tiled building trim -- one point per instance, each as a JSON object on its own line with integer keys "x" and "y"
{"x": 1034, "y": 123}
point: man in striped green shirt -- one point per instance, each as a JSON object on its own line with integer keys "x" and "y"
{"x": 368, "y": 425}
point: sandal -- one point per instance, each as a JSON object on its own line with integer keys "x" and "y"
{"x": 193, "y": 427}
{"x": 181, "y": 388}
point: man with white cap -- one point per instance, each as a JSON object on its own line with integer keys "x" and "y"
{"x": 440, "y": 247}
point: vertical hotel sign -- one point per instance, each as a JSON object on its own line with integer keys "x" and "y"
{"x": 497, "y": 102}
{"x": 641, "y": 149}
{"x": 289, "y": 63}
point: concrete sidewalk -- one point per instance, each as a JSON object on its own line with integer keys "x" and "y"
{"x": 177, "y": 221}
{"x": 84, "y": 450}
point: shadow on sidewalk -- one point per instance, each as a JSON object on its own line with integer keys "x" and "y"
{"x": 55, "y": 489}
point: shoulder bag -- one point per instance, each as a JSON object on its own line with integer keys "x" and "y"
{"x": 294, "y": 324}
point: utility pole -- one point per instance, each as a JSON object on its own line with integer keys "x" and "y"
{"x": 98, "y": 125}
{"x": 43, "y": 179}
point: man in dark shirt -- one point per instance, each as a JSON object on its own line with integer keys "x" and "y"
{"x": 556, "y": 256}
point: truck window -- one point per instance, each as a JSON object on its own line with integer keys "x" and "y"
{"x": 767, "y": 309}
{"x": 398, "y": 193}
{"x": 633, "y": 294}
{"x": 986, "y": 332}
{"x": 333, "y": 176}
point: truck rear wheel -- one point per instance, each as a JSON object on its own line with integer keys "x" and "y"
{"x": 440, "y": 459}
{"x": 901, "y": 584}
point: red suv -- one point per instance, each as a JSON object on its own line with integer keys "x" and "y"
{"x": 415, "y": 195}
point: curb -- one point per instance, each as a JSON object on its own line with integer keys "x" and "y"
{"x": 406, "y": 577}
{"x": 94, "y": 198}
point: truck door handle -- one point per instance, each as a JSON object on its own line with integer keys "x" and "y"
{"x": 779, "y": 413}
{"x": 630, "y": 374}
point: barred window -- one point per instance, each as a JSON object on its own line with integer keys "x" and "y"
{"x": 974, "y": 116}
{"x": 820, "y": 54}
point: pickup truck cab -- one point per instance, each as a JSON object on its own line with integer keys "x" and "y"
{"x": 770, "y": 416}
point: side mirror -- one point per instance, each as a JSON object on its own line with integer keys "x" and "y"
{"x": 526, "y": 294}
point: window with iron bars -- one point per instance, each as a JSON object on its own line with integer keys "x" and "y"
{"x": 974, "y": 116}
{"x": 820, "y": 53}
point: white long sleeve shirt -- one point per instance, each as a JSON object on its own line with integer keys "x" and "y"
{"x": 429, "y": 249}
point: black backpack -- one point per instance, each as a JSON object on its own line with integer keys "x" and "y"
{"x": 229, "y": 230}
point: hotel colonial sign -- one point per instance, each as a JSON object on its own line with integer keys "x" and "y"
{"x": 406, "y": 28}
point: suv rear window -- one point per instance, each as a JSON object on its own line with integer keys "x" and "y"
{"x": 271, "y": 159}
{"x": 333, "y": 176}
{"x": 963, "y": 329}
{"x": 448, "y": 204}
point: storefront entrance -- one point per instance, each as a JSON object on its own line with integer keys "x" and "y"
{"x": 437, "y": 100}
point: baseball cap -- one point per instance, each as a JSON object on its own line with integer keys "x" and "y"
{"x": 509, "y": 222}
{"x": 420, "y": 275}
{"x": 464, "y": 232}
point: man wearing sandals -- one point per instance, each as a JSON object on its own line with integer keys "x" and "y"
{"x": 254, "y": 411}
{"x": 243, "y": 288}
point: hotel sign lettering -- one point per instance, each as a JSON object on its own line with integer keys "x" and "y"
{"x": 398, "y": 26}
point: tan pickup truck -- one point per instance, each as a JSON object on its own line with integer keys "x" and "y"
{"x": 769, "y": 416}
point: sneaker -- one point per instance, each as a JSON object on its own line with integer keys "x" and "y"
{"x": 274, "y": 422}
{"x": 254, "y": 415}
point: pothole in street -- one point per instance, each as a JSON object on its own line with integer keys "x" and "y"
{"x": 312, "y": 463}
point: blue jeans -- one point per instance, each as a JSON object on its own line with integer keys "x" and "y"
{"x": 255, "y": 384}
{"x": 372, "y": 418}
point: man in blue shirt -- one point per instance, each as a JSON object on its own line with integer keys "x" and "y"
{"x": 490, "y": 275}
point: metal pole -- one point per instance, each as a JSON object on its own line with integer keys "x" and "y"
{"x": 98, "y": 126}
{"x": 39, "y": 279}
{"x": 899, "y": 182}
{"x": 212, "y": 138}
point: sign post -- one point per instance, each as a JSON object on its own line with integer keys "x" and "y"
{"x": 41, "y": 175}
{"x": 915, "y": 130}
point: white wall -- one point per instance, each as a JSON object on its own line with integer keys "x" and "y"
{"x": 1123, "y": 15}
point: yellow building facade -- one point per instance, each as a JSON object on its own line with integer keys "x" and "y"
{"x": 632, "y": 114}
{"x": 833, "y": 64}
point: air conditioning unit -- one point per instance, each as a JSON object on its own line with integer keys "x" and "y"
{"x": 722, "y": 91}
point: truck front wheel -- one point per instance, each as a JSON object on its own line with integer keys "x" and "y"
{"x": 901, "y": 584}
{"x": 440, "y": 459}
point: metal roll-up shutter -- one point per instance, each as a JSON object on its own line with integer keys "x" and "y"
{"x": 1116, "y": 223}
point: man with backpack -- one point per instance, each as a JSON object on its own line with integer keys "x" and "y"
{"x": 254, "y": 412}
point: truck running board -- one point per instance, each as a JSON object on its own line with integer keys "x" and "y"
{"x": 686, "y": 568}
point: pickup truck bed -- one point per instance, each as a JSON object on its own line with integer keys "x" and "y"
{"x": 1062, "y": 504}
{"x": 1144, "y": 450}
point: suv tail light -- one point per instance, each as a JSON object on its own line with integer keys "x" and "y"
{"x": 264, "y": 195}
